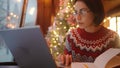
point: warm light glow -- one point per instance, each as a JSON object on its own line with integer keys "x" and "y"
{"x": 74, "y": 6}
{"x": 14, "y": 15}
{"x": 18, "y": 0}
{"x": 65, "y": 27}
{"x": 11, "y": 25}
{"x": 58, "y": 14}
{"x": 59, "y": 44}
{"x": 55, "y": 42}
{"x": 112, "y": 24}
{"x": 57, "y": 53}
{"x": 55, "y": 32}
{"x": 72, "y": 10}
{"x": 31, "y": 11}
{"x": 57, "y": 35}
{"x": 11, "y": 14}
{"x": 109, "y": 18}
{"x": 66, "y": 11}
{"x": 55, "y": 46}
{"x": 53, "y": 38}
{"x": 104, "y": 20}
{"x": 118, "y": 23}
{"x": 68, "y": 3}
{"x": 67, "y": 8}
{"x": 60, "y": 8}
{"x": 51, "y": 45}
{"x": 67, "y": 15}
{"x": 60, "y": 22}
{"x": 77, "y": 26}
{"x": 58, "y": 28}
{"x": 71, "y": 0}
{"x": 57, "y": 39}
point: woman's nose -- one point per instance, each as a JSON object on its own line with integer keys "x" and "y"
{"x": 78, "y": 16}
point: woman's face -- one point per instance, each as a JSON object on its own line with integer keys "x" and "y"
{"x": 84, "y": 17}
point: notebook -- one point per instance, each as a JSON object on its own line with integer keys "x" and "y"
{"x": 28, "y": 47}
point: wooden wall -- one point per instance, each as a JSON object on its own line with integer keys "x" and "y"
{"x": 45, "y": 13}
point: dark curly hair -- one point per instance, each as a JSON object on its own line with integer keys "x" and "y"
{"x": 96, "y": 6}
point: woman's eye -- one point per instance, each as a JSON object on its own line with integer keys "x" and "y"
{"x": 83, "y": 12}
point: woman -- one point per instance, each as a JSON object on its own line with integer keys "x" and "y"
{"x": 90, "y": 39}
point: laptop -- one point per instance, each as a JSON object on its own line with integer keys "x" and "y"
{"x": 28, "y": 47}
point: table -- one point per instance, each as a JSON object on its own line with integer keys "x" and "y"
{"x": 4, "y": 66}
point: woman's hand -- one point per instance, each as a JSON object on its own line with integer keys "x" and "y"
{"x": 65, "y": 59}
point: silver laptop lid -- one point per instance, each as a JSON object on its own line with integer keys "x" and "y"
{"x": 28, "y": 47}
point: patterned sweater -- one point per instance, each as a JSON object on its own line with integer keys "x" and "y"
{"x": 85, "y": 47}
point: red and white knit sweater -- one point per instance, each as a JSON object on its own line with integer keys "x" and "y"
{"x": 85, "y": 47}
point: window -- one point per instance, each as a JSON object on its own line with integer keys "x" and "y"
{"x": 31, "y": 13}
{"x": 11, "y": 14}
{"x": 114, "y": 24}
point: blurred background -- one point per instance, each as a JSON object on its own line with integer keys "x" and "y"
{"x": 52, "y": 16}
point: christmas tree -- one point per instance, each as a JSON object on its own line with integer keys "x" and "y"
{"x": 61, "y": 25}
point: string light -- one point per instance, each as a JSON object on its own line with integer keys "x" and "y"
{"x": 67, "y": 8}
{"x": 57, "y": 53}
{"x": 65, "y": 27}
{"x": 59, "y": 44}
{"x": 60, "y": 23}
{"x": 31, "y": 12}
{"x": 60, "y": 27}
{"x": 11, "y": 14}
{"x": 55, "y": 42}
{"x": 11, "y": 25}
{"x": 67, "y": 16}
{"x": 55, "y": 32}
{"x": 55, "y": 46}
{"x": 18, "y": 0}
{"x": 68, "y": 3}
{"x": 14, "y": 15}
{"x": 60, "y": 8}
{"x": 104, "y": 20}
{"x": 58, "y": 14}
{"x": 66, "y": 11}
{"x": 56, "y": 39}
{"x": 71, "y": 0}
{"x": 108, "y": 18}
{"x": 53, "y": 38}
